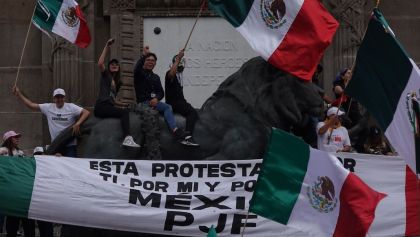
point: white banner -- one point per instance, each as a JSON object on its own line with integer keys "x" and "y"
{"x": 186, "y": 197}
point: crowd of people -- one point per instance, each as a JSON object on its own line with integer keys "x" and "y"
{"x": 61, "y": 115}
{"x": 331, "y": 133}
{"x": 342, "y": 114}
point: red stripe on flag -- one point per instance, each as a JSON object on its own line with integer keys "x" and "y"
{"x": 412, "y": 200}
{"x": 305, "y": 42}
{"x": 357, "y": 208}
{"x": 83, "y": 36}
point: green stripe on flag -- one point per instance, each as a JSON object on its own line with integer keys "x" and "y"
{"x": 381, "y": 73}
{"x": 46, "y": 12}
{"x": 17, "y": 177}
{"x": 280, "y": 180}
{"x": 234, "y": 11}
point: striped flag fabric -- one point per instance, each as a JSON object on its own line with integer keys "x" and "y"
{"x": 64, "y": 18}
{"x": 385, "y": 68}
{"x": 310, "y": 190}
{"x": 291, "y": 35}
{"x": 402, "y": 195}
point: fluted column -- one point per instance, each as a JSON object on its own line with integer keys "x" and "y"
{"x": 352, "y": 16}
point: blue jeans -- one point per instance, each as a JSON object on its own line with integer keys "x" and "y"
{"x": 70, "y": 151}
{"x": 167, "y": 113}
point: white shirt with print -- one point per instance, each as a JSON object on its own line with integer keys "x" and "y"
{"x": 60, "y": 118}
{"x": 339, "y": 138}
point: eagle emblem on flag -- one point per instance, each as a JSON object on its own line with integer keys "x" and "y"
{"x": 322, "y": 195}
{"x": 413, "y": 108}
{"x": 273, "y": 12}
{"x": 70, "y": 17}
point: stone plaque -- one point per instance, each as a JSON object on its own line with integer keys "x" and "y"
{"x": 215, "y": 51}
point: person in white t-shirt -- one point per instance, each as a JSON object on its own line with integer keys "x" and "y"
{"x": 332, "y": 137}
{"x": 60, "y": 115}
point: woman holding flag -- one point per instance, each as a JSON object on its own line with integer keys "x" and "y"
{"x": 348, "y": 104}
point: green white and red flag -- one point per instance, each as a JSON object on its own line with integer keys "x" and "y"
{"x": 387, "y": 82}
{"x": 291, "y": 35}
{"x": 310, "y": 190}
{"x": 64, "y": 18}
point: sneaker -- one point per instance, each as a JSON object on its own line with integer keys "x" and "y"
{"x": 189, "y": 141}
{"x": 129, "y": 141}
{"x": 187, "y": 135}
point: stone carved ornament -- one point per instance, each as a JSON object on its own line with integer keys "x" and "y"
{"x": 123, "y": 4}
{"x": 351, "y": 14}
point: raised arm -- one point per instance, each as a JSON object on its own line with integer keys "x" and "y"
{"x": 328, "y": 124}
{"x": 138, "y": 69}
{"x": 101, "y": 61}
{"x": 31, "y": 105}
{"x": 172, "y": 71}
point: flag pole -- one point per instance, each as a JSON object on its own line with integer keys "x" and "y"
{"x": 345, "y": 85}
{"x": 195, "y": 23}
{"x": 246, "y": 222}
{"x": 24, "y": 44}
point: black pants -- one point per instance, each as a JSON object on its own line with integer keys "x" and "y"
{"x": 185, "y": 109}
{"x": 45, "y": 229}
{"x": 12, "y": 226}
{"x": 108, "y": 110}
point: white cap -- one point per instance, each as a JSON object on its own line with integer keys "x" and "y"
{"x": 39, "y": 149}
{"x": 59, "y": 91}
{"x": 333, "y": 111}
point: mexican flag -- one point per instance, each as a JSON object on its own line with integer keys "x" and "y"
{"x": 292, "y": 35}
{"x": 387, "y": 82}
{"x": 64, "y": 18}
{"x": 310, "y": 190}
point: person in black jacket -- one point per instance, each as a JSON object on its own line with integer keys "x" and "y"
{"x": 149, "y": 91}
{"x": 175, "y": 95}
{"x": 109, "y": 85}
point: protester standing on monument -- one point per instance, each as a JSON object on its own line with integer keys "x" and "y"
{"x": 347, "y": 103}
{"x": 110, "y": 84}
{"x": 60, "y": 115}
{"x": 10, "y": 147}
{"x": 175, "y": 96}
{"x": 149, "y": 91}
{"x": 332, "y": 137}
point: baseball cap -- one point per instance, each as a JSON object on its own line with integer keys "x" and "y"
{"x": 38, "y": 150}
{"x": 10, "y": 134}
{"x": 333, "y": 111}
{"x": 59, "y": 91}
